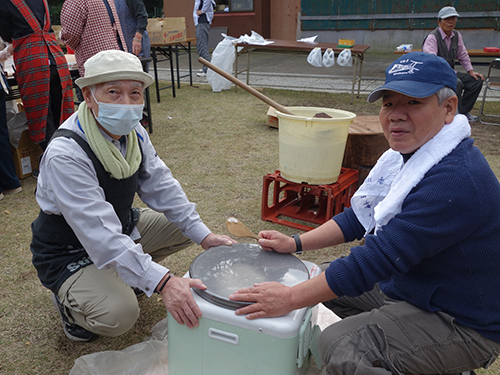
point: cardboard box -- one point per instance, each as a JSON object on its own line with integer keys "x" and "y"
{"x": 26, "y": 156}
{"x": 271, "y": 118}
{"x": 167, "y": 30}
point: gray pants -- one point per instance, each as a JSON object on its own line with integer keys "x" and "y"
{"x": 98, "y": 300}
{"x": 380, "y": 336}
{"x": 468, "y": 90}
{"x": 202, "y": 32}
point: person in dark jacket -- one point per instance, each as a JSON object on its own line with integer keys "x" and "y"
{"x": 422, "y": 295}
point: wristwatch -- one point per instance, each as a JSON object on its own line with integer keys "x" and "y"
{"x": 298, "y": 244}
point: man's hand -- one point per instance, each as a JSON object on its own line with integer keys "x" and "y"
{"x": 271, "y": 299}
{"x": 275, "y": 299}
{"x": 213, "y": 240}
{"x": 136, "y": 47}
{"x": 179, "y": 301}
{"x": 476, "y": 75}
{"x": 274, "y": 240}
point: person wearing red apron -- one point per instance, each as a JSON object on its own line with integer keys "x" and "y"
{"x": 46, "y": 88}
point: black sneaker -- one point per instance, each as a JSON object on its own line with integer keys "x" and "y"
{"x": 138, "y": 293}
{"x": 73, "y": 331}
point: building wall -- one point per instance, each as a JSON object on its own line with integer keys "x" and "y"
{"x": 361, "y": 14}
{"x": 234, "y": 24}
{"x": 385, "y": 24}
{"x": 241, "y": 23}
{"x": 388, "y": 40}
{"x": 284, "y": 17}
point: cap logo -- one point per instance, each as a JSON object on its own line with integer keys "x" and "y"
{"x": 405, "y": 67}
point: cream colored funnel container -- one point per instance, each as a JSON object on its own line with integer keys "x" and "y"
{"x": 311, "y": 149}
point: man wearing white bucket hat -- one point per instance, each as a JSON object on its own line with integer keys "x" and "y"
{"x": 90, "y": 246}
{"x": 421, "y": 296}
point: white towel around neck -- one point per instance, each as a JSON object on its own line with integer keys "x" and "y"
{"x": 381, "y": 195}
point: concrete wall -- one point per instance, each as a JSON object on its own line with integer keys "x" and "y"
{"x": 388, "y": 40}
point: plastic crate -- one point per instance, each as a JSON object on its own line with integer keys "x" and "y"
{"x": 310, "y": 203}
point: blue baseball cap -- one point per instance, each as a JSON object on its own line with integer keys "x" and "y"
{"x": 417, "y": 74}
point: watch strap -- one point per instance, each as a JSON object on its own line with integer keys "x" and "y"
{"x": 298, "y": 244}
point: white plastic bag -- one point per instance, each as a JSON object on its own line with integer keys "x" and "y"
{"x": 16, "y": 123}
{"x": 147, "y": 358}
{"x": 223, "y": 57}
{"x": 345, "y": 58}
{"x": 315, "y": 58}
{"x": 404, "y": 48}
{"x": 329, "y": 58}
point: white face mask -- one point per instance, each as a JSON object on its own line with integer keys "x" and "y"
{"x": 118, "y": 119}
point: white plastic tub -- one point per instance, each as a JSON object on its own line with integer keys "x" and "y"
{"x": 311, "y": 149}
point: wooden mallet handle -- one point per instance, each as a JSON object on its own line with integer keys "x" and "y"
{"x": 244, "y": 86}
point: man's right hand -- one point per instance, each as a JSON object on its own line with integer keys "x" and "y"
{"x": 179, "y": 301}
{"x": 273, "y": 240}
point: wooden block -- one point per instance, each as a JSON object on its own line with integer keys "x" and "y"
{"x": 365, "y": 144}
{"x": 366, "y": 125}
{"x": 271, "y": 118}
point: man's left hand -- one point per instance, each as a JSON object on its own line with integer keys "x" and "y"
{"x": 179, "y": 301}
{"x": 476, "y": 75}
{"x": 213, "y": 240}
{"x": 271, "y": 299}
{"x": 136, "y": 47}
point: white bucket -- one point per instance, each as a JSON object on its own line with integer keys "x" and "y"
{"x": 311, "y": 149}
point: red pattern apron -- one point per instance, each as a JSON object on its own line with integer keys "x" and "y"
{"x": 33, "y": 72}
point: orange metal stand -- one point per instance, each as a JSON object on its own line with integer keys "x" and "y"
{"x": 310, "y": 203}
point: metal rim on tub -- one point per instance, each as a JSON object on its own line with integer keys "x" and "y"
{"x": 225, "y": 269}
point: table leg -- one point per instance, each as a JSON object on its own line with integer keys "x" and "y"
{"x": 361, "y": 58}
{"x": 153, "y": 56}
{"x": 148, "y": 110}
{"x": 172, "y": 75}
{"x": 190, "y": 65}
{"x": 177, "y": 63}
{"x": 235, "y": 65}
{"x": 248, "y": 69}
{"x": 354, "y": 78}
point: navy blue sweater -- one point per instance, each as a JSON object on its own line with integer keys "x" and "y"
{"x": 441, "y": 252}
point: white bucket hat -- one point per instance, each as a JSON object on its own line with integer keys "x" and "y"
{"x": 448, "y": 12}
{"x": 113, "y": 65}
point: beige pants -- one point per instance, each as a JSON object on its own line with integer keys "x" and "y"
{"x": 98, "y": 300}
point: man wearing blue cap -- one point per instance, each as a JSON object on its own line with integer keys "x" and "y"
{"x": 447, "y": 43}
{"x": 421, "y": 296}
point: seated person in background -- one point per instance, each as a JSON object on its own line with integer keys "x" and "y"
{"x": 446, "y": 42}
{"x": 422, "y": 295}
{"x": 90, "y": 246}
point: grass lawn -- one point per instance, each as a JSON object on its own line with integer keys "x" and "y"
{"x": 219, "y": 148}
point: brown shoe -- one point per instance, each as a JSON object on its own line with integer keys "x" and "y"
{"x": 13, "y": 191}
